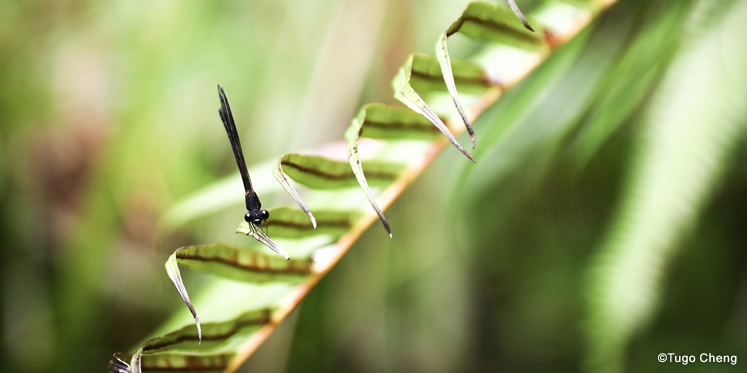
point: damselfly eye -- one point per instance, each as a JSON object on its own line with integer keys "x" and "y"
{"x": 248, "y": 217}
{"x": 264, "y": 215}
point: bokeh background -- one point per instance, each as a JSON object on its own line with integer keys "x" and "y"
{"x": 108, "y": 119}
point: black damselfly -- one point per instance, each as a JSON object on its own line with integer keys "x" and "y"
{"x": 255, "y": 215}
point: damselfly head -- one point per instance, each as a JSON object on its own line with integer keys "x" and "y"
{"x": 256, "y": 216}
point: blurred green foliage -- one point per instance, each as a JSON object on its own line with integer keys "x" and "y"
{"x": 108, "y": 117}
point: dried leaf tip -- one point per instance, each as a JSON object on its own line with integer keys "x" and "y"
{"x": 517, "y": 11}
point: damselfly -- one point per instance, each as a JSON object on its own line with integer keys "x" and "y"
{"x": 255, "y": 215}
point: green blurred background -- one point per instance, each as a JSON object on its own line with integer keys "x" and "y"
{"x": 108, "y": 118}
